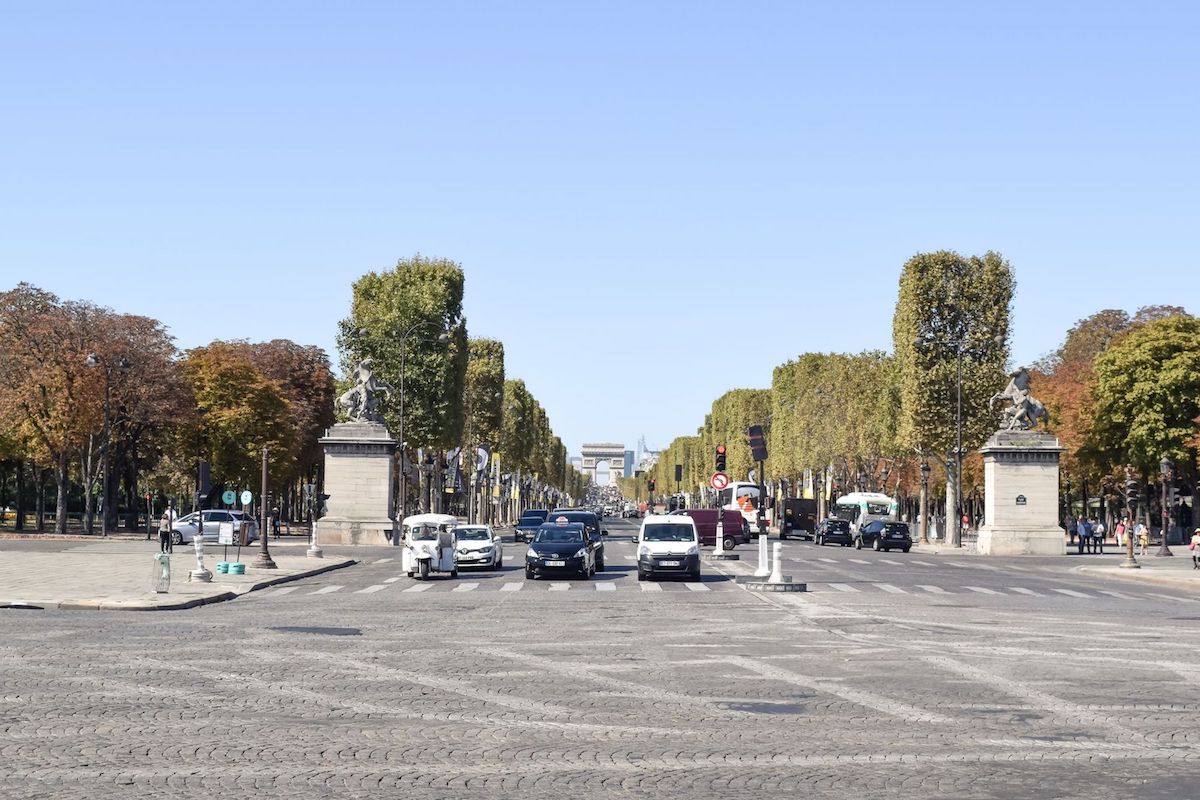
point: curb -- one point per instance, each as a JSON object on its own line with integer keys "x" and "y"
{"x": 195, "y": 602}
{"x": 1141, "y": 576}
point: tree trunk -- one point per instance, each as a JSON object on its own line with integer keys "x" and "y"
{"x": 61, "y": 474}
{"x": 40, "y": 504}
{"x": 20, "y": 489}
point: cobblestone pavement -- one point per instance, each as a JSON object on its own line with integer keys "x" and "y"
{"x": 358, "y": 683}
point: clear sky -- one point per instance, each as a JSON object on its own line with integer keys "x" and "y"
{"x": 653, "y": 202}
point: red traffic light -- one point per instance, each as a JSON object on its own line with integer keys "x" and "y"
{"x": 721, "y": 449}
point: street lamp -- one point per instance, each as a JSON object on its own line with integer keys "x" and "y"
{"x": 264, "y": 560}
{"x": 1131, "y": 510}
{"x": 200, "y": 412}
{"x": 1165, "y": 471}
{"x": 924, "y": 502}
{"x": 97, "y": 360}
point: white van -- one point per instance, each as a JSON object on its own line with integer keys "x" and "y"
{"x": 668, "y": 545}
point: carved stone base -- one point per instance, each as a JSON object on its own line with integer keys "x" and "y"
{"x": 1020, "y": 475}
{"x": 359, "y": 470}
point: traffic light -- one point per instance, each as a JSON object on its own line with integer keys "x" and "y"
{"x": 1131, "y": 493}
{"x": 758, "y": 443}
{"x": 650, "y": 485}
{"x": 720, "y": 458}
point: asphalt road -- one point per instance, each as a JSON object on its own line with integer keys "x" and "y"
{"x": 898, "y": 675}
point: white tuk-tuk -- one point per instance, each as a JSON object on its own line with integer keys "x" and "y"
{"x": 429, "y": 545}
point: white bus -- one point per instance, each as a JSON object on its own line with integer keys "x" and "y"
{"x": 745, "y": 498}
{"x": 859, "y": 508}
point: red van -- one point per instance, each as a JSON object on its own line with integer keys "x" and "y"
{"x": 737, "y": 531}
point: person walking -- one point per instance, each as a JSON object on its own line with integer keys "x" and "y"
{"x": 1085, "y": 534}
{"x": 1072, "y": 529}
{"x": 275, "y": 521}
{"x": 1143, "y": 538}
{"x": 1119, "y": 532}
{"x": 1194, "y": 546}
{"x": 164, "y": 533}
{"x": 1098, "y": 532}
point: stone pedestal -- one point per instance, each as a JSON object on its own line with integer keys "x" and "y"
{"x": 359, "y": 471}
{"x": 1020, "y": 474}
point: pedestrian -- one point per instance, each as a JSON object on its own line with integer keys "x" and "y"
{"x": 164, "y": 533}
{"x": 1194, "y": 546}
{"x": 1120, "y": 531}
{"x": 1098, "y": 536}
{"x": 1085, "y": 534}
{"x": 275, "y": 521}
{"x": 1143, "y": 537}
{"x": 1072, "y": 529}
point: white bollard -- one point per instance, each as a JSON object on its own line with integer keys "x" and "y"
{"x": 719, "y": 548}
{"x": 777, "y": 571}
{"x": 764, "y": 561}
{"x": 199, "y": 573}
{"x": 314, "y": 550}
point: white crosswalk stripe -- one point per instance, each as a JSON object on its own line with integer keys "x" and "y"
{"x": 980, "y": 590}
{"x": 391, "y": 580}
{"x": 328, "y": 589}
{"x": 1118, "y": 595}
{"x": 891, "y": 561}
{"x": 1023, "y": 590}
{"x": 419, "y": 587}
{"x": 283, "y": 591}
{"x": 696, "y": 587}
{"x": 560, "y": 587}
{"x": 1172, "y": 598}
{"x": 647, "y": 586}
{"x": 860, "y": 561}
{"x": 372, "y": 589}
{"x": 842, "y": 587}
{"x": 932, "y": 589}
{"x": 827, "y": 560}
{"x": 513, "y": 586}
{"x": 923, "y": 563}
{"x": 383, "y": 560}
{"x": 1072, "y": 593}
{"x": 887, "y": 587}
{"x": 606, "y": 587}
{"x": 466, "y": 587}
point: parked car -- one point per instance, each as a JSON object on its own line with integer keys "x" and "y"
{"x": 559, "y": 549}
{"x": 735, "y": 528}
{"x": 531, "y": 519}
{"x": 185, "y": 528}
{"x": 834, "y": 531}
{"x": 479, "y": 546}
{"x": 882, "y": 534}
{"x": 799, "y": 518}
{"x": 668, "y": 544}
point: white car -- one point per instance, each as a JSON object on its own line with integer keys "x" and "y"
{"x": 184, "y": 529}
{"x": 668, "y": 545}
{"x": 479, "y": 546}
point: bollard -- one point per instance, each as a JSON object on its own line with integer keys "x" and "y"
{"x": 764, "y": 562}
{"x": 314, "y": 549}
{"x": 719, "y": 549}
{"x": 199, "y": 573}
{"x": 777, "y": 572}
{"x": 161, "y": 580}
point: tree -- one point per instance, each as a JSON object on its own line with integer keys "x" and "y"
{"x": 484, "y": 397}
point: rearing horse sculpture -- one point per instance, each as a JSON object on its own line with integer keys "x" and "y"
{"x": 1024, "y": 411}
{"x": 360, "y": 400}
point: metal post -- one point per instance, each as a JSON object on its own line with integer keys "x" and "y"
{"x": 104, "y": 465}
{"x": 1165, "y": 472}
{"x": 403, "y": 451}
{"x": 264, "y": 560}
{"x": 924, "y": 503}
{"x": 1130, "y": 562}
{"x": 956, "y": 541}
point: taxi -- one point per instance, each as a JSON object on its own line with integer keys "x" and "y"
{"x": 562, "y": 548}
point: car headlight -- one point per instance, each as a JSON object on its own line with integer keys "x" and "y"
{"x": 643, "y": 551}
{"x": 532, "y": 554}
{"x": 580, "y": 553}
{"x": 694, "y": 550}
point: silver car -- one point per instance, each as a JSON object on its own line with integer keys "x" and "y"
{"x": 184, "y": 529}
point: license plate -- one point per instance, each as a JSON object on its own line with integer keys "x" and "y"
{"x": 556, "y": 563}
{"x": 669, "y": 563}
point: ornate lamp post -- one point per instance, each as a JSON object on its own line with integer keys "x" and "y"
{"x": 1166, "y": 472}
{"x": 264, "y": 560}
{"x": 924, "y": 502}
{"x": 97, "y": 360}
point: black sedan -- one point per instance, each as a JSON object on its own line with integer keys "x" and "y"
{"x": 834, "y": 531}
{"x": 560, "y": 549}
{"x": 884, "y": 535}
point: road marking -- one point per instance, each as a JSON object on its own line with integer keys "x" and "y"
{"x": 606, "y": 587}
{"x": 328, "y": 589}
{"x": 1117, "y": 595}
{"x": 1021, "y": 590}
{"x": 513, "y": 586}
{"x": 842, "y": 587}
{"x": 1072, "y": 593}
{"x": 559, "y": 587}
{"x": 283, "y": 591}
{"x": 1018, "y": 569}
{"x": 420, "y": 587}
{"x": 860, "y": 561}
{"x": 696, "y": 587}
{"x": 893, "y": 562}
{"x": 980, "y": 590}
{"x": 923, "y": 563}
{"x": 650, "y": 587}
{"x": 1172, "y": 598}
{"x": 932, "y": 589}
{"x": 465, "y": 587}
{"x": 827, "y": 560}
{"x": 887, "y": 587}
{"x": 383, "y": 560}
{"x": 391, "y": 580}
{"x": 372, "y": 589}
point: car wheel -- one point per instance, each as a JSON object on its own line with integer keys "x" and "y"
{"x": 782, "y": 536}
{"x": 410, "y": 574}
{"x": 423, "y": 568}
{"x": 499, "y": 562}
{"x": 600, "y": 564}
{"x": 176, "y": 537}
{"x": 453, "y": 573}
{"x": 906, "y": 549}
{"x": 729, "y": 543}
{"x": 819, "y": 541}
{"x": 529, "y": 576}
{"x": 857, "y": 544}
{"x": 876, "y": 547}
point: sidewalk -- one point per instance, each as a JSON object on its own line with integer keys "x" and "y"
{"x": 1174, "y": 571}
{"x": 117, "y": 575}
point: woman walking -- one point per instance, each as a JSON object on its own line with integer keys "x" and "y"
{"x": 1143, "y": 537}
{"x": 1194, "y": 546}
{"x": 164, "y": 533}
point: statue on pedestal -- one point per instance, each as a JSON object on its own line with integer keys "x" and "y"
{"x": 1023, "y": 411}
{"x": 360, "y": 400}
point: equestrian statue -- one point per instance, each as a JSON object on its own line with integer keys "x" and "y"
{"x": 1023, "y": 411}
{"x": 361, "y": 401}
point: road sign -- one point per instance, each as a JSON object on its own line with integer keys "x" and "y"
{"x": 719, "y": 480}
{"x": 228, "y": 497}
{"x": 247, "y": 497}
{"x": 225, "y": 532}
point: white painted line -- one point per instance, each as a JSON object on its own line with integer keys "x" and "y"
{"x": 827, "y": 560}
{"x": 420, "y": 587}
{"x": 391, "y": 580}
{"x": 980, "y": 590}
{"x": 1072, "y": 593}
{"x": 1022, "y": 590}
{"x": 696, "y": 587}
{"x": 1172, "y": 598}
{"x": 842, "y": 587}
{"x": 559, "y": 587}
{"x": 328, "y": 589}
{"x": 283, "y": 591}
{"x": 372, "y": 589}
{"x": 1117, "y": 595}
{"x": 860, "y": 561}
{"x": 513, "y": 586}
{"x": 383, "y": 560}
{"x": 606, "y": 587}
{"x": 893, "y": 562}
{"x": 932, "y": 589}
{"x": 923, "y": 563}
{"x": 887, "y": 587}
{"x": 1018, "y": 569}
{"x": 650, "y": 587}
{"x": 465, "y": 587}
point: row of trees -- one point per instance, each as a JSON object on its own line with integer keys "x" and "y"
{"x": 1121, "y": 391}
{"x": 69, "y": 367}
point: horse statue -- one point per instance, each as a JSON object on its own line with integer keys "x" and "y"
{"x": 1024, "y": 411}
{"x": 360, "y": 401}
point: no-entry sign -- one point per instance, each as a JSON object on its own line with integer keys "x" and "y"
{"x": 719, "y": 480}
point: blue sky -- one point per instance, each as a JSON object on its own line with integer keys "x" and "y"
{"x": 653, "y": 202}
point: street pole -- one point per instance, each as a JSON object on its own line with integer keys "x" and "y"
{"x": 104, "y": 461}
{"x": 958, "y": 453}
{"x": 924, "y": 503}
{"x": 264, "y": 560}
{"x": 1165, "y": 468}
{"x": 1131, "y": 507}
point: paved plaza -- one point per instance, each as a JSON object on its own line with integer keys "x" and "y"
{"x": 899, "y": 675}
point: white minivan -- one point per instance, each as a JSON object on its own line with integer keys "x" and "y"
{"x": 668, "y": 545}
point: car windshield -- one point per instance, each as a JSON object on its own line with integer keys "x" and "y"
{"x": 423, "y": 533}
{"x": 896, "y": 527}
{"x": 669, "y": 533}
{"x": 557, "y": 535}
{"x": 473, "y": 534}
{"x": 532, "y": 519}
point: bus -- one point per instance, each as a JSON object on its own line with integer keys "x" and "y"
{"x": 746, "y": 499}
{"x": 859, "y": 508}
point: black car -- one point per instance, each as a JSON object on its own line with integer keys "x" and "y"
{"x": 799, "y": 518}
{"x": 560, "y": 549}
{"x": 882, "y": 534}
{"x": 834, "y": 531}
{"x": 590, "y": 523}
{"x": 527, "y": 525}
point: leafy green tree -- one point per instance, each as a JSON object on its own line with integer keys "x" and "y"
{"x": 485, "y": 391}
